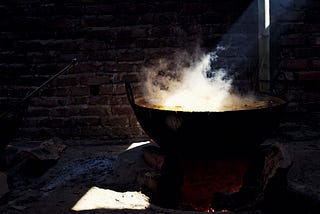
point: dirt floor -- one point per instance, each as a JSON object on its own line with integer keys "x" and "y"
{"x": 58, "y": 185}
{"x": 44, "y": 187}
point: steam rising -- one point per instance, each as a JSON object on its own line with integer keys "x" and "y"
{"x": 193, "y": 84}
{"x": 190, "y": 85}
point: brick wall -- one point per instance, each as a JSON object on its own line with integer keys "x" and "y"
{"x": 296, "y": 51}
{"x": 112, "y": 41}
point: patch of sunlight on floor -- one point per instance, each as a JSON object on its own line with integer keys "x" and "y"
{"x": 98, "y": 198}
{"x": 133, "y": 145}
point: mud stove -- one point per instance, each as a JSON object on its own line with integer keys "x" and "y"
{"x": 207, "y": 160}
{"x": 221, "y": 183}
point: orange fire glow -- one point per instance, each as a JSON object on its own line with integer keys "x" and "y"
{"x": 204, "y": 178}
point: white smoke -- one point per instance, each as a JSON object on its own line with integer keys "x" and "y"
{"x": 191, "y": 86}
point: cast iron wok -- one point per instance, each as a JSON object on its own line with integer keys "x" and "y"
{"x": 208, "y": 133}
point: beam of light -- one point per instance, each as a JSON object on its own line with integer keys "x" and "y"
{"x": 266, "y": 14}
{"x": 264, "y": 45}
{"x": 197, "y": 82}
{"x": 97, "y": 198}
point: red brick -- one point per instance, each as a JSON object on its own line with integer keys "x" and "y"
{"x": 97, "y": 21}
{"x": 314, "y": 40}
{"x": 99, "y": 110}
{"x": 99, "y": 100}
{"x": 122, "y": 110}
{"x": 310, "y": 75}
{"x": 31, "y": 122}
{"x": 44, "y": 102}
{"x": 65, "y": 111}
{"x": 288, "y": 28}
{"x": 66, "y": 23}
{"x": 313, "y": 16}
{"x": 291, "y": 76}
{"x": 77, "y": 100}
{"x": 114, "y": 89}
{"x": 94, "y": 80}
{"x": 131, "y": 77}
{"x": 315, "y": 64}
{"x": 311, "y": 96}
{"x": 92, "y": 45}
{"x": 294, "y": 64}
{"x": 62, "y": 92}
{"x": 86, "y": 120}
{"x": 293, "y": 16}
{"x": 293, "y": 39}
{"x": 90, "y": 131}
{"x": 100, "y": 9}
{"x": 107, "y": 89}
{"x": 312, "y": 28}
{"x": 36, "y": 111}
{"x": 307, "y": 52}
{"x": 80, "y": 91}
{"x": 52, "y": 122}
{"x": 65, "y": 81}
{"x": 114, "y": 40}
{"x": 115, "y": 121}
{"x": 89, "y": 67}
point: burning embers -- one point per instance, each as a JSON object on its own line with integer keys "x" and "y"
{"x": 192, "y": 184}
{"x": 203, "y": 179}
{"x": 222, "y": 183}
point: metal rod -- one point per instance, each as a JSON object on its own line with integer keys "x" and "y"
{"x": 67, "y": 68}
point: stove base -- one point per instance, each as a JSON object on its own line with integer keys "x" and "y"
{"x": 230, "y": 183}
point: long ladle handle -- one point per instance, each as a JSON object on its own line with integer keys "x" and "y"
{"x": 65, "y": 69}
{"x": 129, "y": 93}
{"x": 73, "y": 63}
